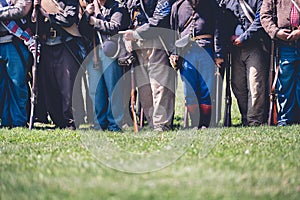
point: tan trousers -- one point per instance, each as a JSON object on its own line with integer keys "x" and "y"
{"x": 155, "y": 80}
{"x": 249, "y": 80}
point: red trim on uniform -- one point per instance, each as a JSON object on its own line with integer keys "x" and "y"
{"x": 205, "y": 109}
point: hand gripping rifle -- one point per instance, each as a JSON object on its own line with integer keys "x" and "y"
{"x": 90, "y": 34}
{"x": 228, "y": 99}
{"x": 273, "y": 76}
{"x": 96, "y": 34}
{"x": 33, "y": 98}
{"x": 128, "y": 61}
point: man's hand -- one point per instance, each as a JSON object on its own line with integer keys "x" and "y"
{"x": 237, "y": 42}
{"x": 174, "y": 61}
{"x": 31, "y": 47}
{"x": 283, "y": 34}
{"x": 90, "y": 8}
{"x": 294, "y": 35}
{"x": 92, "y": 20}
{"x": 128, "y": 35}
{"x": 128, "y": 45}
{"x": 36, "y": 3}
{"x": 219, "y": 61}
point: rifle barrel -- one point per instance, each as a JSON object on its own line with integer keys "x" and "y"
{"x": 228, "y": 99}
{"x": 272, "y": 94}
{"x": 33, "y": 97}
{"x": 133, "y": 100}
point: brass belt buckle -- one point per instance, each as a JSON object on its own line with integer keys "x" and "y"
{"x": 53, "y": 33}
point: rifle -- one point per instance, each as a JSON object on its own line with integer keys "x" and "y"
{"x": 273, "y": 76}
{"x": 133, "y": 99}
{"x": 137, "y": 113}
{"x": 33, "y": 98}
{"x": 88, "y": 33}
{"x": 218, "y": 91}
{"x": 228, "y": 99}
{"x": 96, "y": 34}
{"x": 96, "y": 64}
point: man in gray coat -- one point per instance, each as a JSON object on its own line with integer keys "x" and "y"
{"x": 154, "y": 76}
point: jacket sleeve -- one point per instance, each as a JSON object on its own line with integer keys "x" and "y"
{"x": 218, "y": 36}
{"x": 254, "y": 27}
{"x": 173, "y": 26}
{"x": 267, "y": 19}
{"x": 160, "y": 18}
{"x": 69, "y": 14}
{"x": 16, "y": 11}
{"x": 113, "y": 26}
{"x": 173, "y": 16}
{"x": 85, "y": 28}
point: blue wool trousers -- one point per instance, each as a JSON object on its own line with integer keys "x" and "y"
{"x": 106, "y": 92}
{"x": 197, "y": 75}
{"x": 13, "y": 86}
{"x": 288, "y": 85}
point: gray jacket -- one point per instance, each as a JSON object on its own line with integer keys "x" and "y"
{"x": 158, "y": 12}
{"x": 272, "y": 23}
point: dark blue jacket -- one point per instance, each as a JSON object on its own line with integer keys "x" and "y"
{"x": 249, "y": 31}
{"x": 113, "y": 18}
{"x": 206, "y": 20}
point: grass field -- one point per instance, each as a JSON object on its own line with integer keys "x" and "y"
{"x": 223, "y": 163}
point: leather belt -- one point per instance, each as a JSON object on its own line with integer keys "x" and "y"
{"x": 3, "y": 33}
{"x": 199, "y": 37}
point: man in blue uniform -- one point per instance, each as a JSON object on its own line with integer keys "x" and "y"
{"x": 105, "y": 18}
{"x": 197, "y": 20}
{"x": 14, "y": 93}
{"x": 58, "y": 66}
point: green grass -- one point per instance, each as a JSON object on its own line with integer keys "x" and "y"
{"x": 245, "y": 163}
{"x": 224, "y": 163}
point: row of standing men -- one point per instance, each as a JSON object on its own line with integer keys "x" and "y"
{"x": 214, "y": 28}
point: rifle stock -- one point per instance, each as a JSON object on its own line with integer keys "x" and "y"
{"x": 133, "y": 100}
{"x": 273, "y": 76}
{"x": 228, "y": 99}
